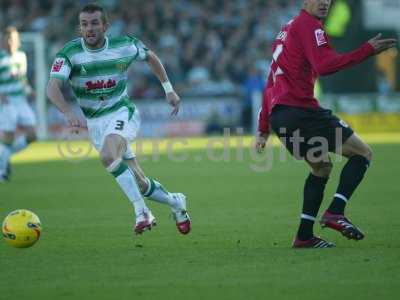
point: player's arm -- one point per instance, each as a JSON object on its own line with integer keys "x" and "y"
{"x": 55, "y": 95}
{"x": 159, "y": 70}
{"x": 23, "y": 76}
{"x": 60, "y": 72}
{"x": 263, "y": 130}
{"x": 325, "y": 60}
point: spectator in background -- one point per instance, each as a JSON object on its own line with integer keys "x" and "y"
{"x": 254, "y": 83}
{"x": 383, "y": 84}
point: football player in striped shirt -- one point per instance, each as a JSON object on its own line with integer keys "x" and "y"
{"x": 96, "y": 68}
{"x": 15, "y": 112}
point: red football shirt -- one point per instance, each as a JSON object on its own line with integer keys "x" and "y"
{"x": 301, "y": 53}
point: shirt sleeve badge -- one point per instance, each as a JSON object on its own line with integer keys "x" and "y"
{"x": 320, "y": 37}
{"x": 57, "y": 65}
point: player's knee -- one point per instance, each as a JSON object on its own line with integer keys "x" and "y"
{"x": 111, "y": 151}
{"x": 365, "y": 151}
{"x": 107, "y": 158}
{"x": 368, "y": 153}
{"x": 323, "y": 169}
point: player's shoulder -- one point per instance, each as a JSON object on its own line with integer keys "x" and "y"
{"x": 309, "y": 28}
{"x": 288, "y": 24}
{"x": 122, "y": 40}
{"x": 72, "y": 47}
{"x": 284, "y": 30}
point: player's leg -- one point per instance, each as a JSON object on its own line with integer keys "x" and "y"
{"x": 313, "y": 195}
{"x": 359, "y": 156}
{"x": 111, "y": 153}
{"x": 6, "y": 141}
{"x": 292, "y": 126}
{"x": 149, "y": 187}
{"x": 154, "y": 190}
{"x": 22, "y": 141}
{"x": 8, "y": 125}
{"x": 26, "y": 122}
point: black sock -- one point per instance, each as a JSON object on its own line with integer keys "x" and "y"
{"x": 351, "y": 176}
{"x": 313, "y": 195}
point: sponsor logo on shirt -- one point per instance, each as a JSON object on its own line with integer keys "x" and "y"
{"x": 320, "y": 37}
{"x": 100, "y": 84}
{"x": 57, "y": 65}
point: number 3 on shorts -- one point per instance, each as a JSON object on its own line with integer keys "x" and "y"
{"x": 119, "y": 125}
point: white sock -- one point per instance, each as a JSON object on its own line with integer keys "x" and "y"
{"x": 19, "y": 144}
{"x": 5, "y": 153}
{"x": 158, "y": 193}
{"x": 128, "y": 184}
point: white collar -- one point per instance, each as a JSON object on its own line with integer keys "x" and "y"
{"x": 94, "y": 50}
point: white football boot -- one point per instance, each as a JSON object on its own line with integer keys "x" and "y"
{"x": 144, "y": 221}
{"x": 180, "y": 214}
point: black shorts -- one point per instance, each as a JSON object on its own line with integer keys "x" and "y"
{"x": 309, "y": 131}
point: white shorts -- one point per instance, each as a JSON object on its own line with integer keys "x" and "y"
{"x": 8, "y": 117}
{"x": 17, "y": 114}
{"x": 115, "y": 123}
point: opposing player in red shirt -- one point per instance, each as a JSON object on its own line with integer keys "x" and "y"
{"x": 301, "y": 53}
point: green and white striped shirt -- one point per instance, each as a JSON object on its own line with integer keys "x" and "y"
{"x": 98, "y": 77}
{"x": 12, "y": 74}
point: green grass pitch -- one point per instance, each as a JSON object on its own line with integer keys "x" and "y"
{"x": 239, "y": 248}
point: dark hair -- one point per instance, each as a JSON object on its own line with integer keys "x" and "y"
{"x": 93, "y": 7}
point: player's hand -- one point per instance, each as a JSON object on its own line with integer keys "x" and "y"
{"x": 74, "y": 123}
{"x": 261, "y": 141}
{"x": 174, "y": 100}
{"x": 380, "y": 44}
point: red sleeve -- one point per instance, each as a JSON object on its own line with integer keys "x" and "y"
{"x": 263, "y": 115}
{"x": 323, "y": 58}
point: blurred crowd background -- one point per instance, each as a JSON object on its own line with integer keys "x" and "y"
{"x": 210, "y": 48}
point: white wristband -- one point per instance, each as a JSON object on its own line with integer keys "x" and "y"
{"x": 167, "y": 86}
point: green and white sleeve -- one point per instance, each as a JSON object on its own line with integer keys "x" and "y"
{"x": 141, "y": 49}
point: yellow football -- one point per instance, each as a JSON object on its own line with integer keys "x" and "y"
{"x": 21, "y": 228}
